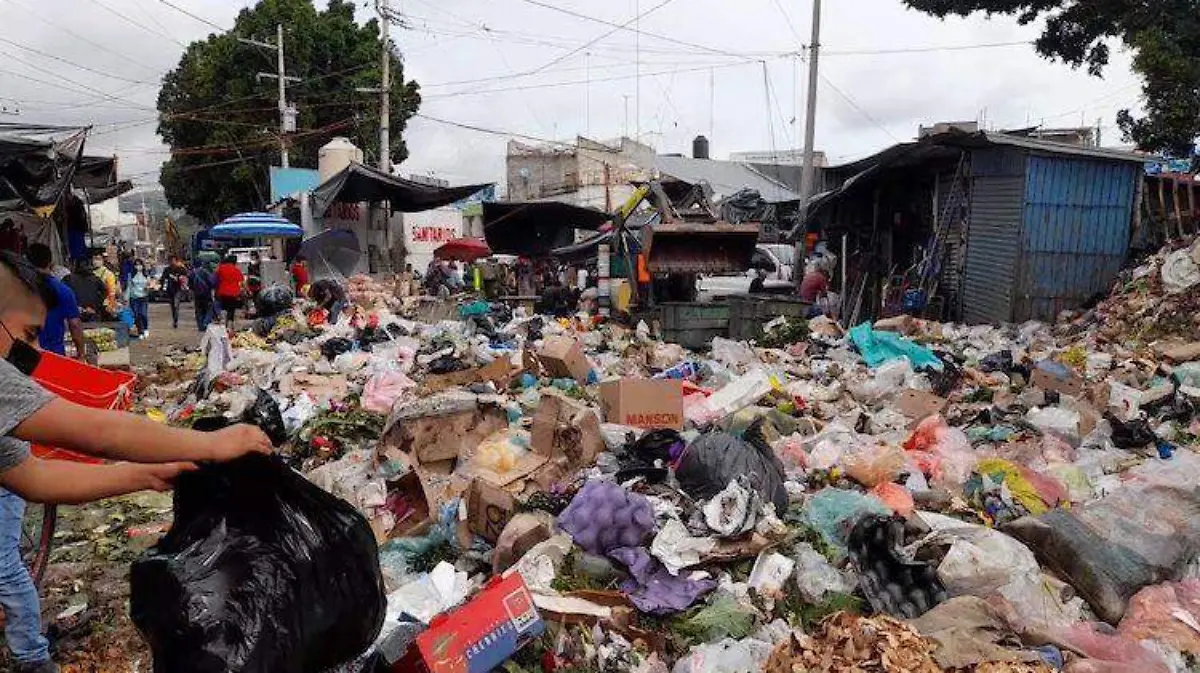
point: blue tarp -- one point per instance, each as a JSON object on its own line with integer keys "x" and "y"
{"x": 879, "y": 347}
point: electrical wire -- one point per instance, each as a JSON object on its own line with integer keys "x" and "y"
{"x": 88, "y": 89}
{"x": 857, "y": 108}
{"x": 74, "y": 64}
{"x": 187, "y": 13}
{"x": 559, "y": 59}
{"x": 625, "y": 26}
{"x": 162, "y": 34}
{"x": 83, "y": 38}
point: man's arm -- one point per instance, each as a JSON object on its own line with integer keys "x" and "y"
{"x": 123, "y": 436}
{"x": 76, "y": 328}
{"x": 61, "y": 482}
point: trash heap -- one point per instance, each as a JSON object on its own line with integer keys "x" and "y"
{"x": 554, "y": 495}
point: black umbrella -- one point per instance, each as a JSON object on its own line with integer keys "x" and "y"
{"x": 333, "y": 253}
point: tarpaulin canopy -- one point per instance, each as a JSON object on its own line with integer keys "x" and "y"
{"x": 358, "y": 183}
{"x": 256, "y": 225}
{"x": 332, "y": 254}
{"x": 537, "y": 228}
{"x": 589, "y": 247}
{"x": 463, "y": 249}
{"x": 37, "y": 163}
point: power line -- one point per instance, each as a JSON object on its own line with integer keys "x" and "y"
{"x": 925, "y": 50}
{"x": 73, "y": 64}
{"x": 846, "y": 97}
{"x": 82, "y": 38}
{"x": 185, "y": 12}
{"x": 162, "y": 34}
{"x": 563, "y": 57}
{"x": 553, "y": 85}
{"x": 788, "y": 20}
{"x": 625, "y": 26}
{"x": 89, "y": 89}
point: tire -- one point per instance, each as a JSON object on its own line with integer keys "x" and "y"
{"x": 37, "y": 538}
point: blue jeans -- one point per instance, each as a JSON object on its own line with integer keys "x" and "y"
{"x": 335, "y": 311}
{"x": 18, "y": 595}
{"x": 204, "y": 313}
{"x": 141, "y": 314}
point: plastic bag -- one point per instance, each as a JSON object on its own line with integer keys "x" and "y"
{"x": 878, "y": 347}
{"x": 815, "y": 576}
{"x": 1179, "y": 272}
{"x": 383, "y": 389}
{"x": 896, "y": 497}
{"x": 604, "y": 516}
{"x": 1135, "y": 434}
{"x": 335, "y": 347}
{"x": 1139, "y": 535}
{"x": 262, "y": 572}
{"x": 735, "y": 396}
{"x": 274, "y": 300}
{"x": 717, "y": 458}
{"x": 730, "y": 353}
{"x": 1055, "y": 419}
{"x": 217, "y": 350}
{"x": 833, "y": 513}
{"x": 1168, "y": 613}
{"x": 874, "y": 464}
{"x": 948, "y": 455}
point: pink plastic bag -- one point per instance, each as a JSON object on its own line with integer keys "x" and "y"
{"x": 953, "y": 450}
{"x": 1107, "y": 652}
{"x": 383, "y": 389}
{"x": 1162, "y": 613}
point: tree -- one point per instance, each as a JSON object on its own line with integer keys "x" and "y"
{"x": 222, "y": 122}
{"x": 1163, "y": 34}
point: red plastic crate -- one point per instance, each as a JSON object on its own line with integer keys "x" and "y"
{"x": 82, "y": 384}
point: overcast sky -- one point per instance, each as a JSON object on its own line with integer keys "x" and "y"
{"x": 511, "y": 66}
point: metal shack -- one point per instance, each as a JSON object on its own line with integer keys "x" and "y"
{"x": 990, "y": 227}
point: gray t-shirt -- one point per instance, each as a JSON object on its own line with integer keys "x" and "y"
{"x": 20, "y": 398}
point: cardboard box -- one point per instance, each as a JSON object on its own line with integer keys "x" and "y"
{"x": 489, "y": 509}
{"x": 563, "y": 357}
{"x": 564, "y": 427}
{"x": 643, "y": 403}
{"x": 483, "y": 634}
{"x": 443, "y": 426}
{"x": 498, "y": 372}
{"x": 919, "y": 404}
{"x": 1071, "y": 384}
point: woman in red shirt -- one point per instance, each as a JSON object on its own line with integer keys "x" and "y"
{"x": 229, "y": 288}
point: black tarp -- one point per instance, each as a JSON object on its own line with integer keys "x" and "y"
{"x": 536, "y": 229}
{"x": 358, "y": 183}
{"x": 37, "y": 163}
{"x": 589, "y": 248}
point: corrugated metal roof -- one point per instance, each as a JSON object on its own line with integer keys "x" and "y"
{"x": 1050, "y": 147}
{"x": 725, "y": 177}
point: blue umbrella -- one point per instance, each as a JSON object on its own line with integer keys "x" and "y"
{"x": 256, "y": 225}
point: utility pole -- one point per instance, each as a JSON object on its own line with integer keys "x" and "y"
{"x": 379, "y": 211}
{"x": 287, "y": 113}
{"x": 385, "y": 91}
{"x": 810, "y": 132}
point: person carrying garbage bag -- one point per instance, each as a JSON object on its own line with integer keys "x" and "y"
{"x": 153, "y": 454}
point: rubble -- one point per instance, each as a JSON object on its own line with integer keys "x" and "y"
{"x": 885, "y": 497}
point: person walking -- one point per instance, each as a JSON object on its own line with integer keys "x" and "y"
{"x": 137, "y": 293}
{"x": 152, "y": 455}
{"x": 175, "y": 284}
{"x": 64, "y": 317}
{"x": 230, "y": 285}
{"x": 202, "y": 281}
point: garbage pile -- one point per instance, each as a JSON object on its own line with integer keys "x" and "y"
{"x": 552, "y": 495}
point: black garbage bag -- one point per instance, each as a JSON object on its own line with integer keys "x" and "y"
{"x": 1131, "y": 436}
{"x": 274, "y": 300}
{"x": 447, "y": 364}
{"x": 262, "y": 572}
{"x": 717, "y": 458}
{"x": 997, "y": 362}
{"x": 335, "y": 347}
{"x": 946, "y": 380}
{"x": 655, "y": 446}
{"x": 263, "y": 414}
{"x": 893, "y": 584}
{"x": 500, "y": 312}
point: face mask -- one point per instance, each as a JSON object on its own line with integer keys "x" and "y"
{"x": 22, "y": 356}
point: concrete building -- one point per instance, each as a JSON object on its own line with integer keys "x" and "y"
{"x": 584, "y": 173}
{"x": 793, "y": 157}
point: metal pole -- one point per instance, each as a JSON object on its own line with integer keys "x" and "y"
{"x": 810, "y": 132}
{"x": 283, "y": 111}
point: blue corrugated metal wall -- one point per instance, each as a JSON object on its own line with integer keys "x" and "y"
{"x": 1075, "y": 234}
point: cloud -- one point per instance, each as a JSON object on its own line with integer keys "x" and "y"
{"x": 716, "y": 88}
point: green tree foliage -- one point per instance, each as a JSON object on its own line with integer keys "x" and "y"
{"x": 1163, "y": 34}
{"x": 222, "y": 122}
